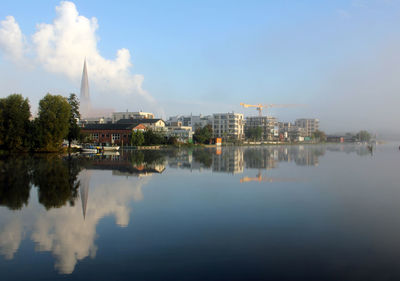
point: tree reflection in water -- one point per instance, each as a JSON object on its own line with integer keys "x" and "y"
{"x": 15, "y": 181}
{"x": 55, "y": 177}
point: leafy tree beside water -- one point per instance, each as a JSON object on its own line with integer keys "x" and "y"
{"x": 254, "y": 133}
{"x": 319, "y": 136}
{"x": 203, "y": 135}
{"x": 74, "y": 129}
{"x": 137, "y": 138}
{"x": 15, "y": 123}
{"x": 53, "y": 122}
{"x": 364, "y": 136}
{"x": 153, "y": 137}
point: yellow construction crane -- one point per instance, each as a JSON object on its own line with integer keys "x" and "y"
{"x": 260, "y": 107}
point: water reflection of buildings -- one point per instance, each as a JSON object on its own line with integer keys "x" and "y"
{"x": 228, "y": 160}
{"x": 360, "y": 150}
{"x": 235, "y": 159}
{"x": 127, "y": 164}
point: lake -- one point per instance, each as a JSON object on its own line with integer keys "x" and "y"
{"x": 307, "y": 212}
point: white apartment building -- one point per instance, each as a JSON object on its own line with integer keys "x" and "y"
{"x": 182, "y": 133}
{"x": 228, "y": 125}
{"x": 193, "y": 121}
{"x": 131, "y": 115}
{"x": 95, "y": 120}
{"x": 308, "y": 125}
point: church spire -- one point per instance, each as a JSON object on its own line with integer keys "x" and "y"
{"x": 85, "y": 83}
{"x": 85, "y": 96}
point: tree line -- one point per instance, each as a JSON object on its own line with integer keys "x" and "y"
{"x": 151, "y": 137}
{"x": 57, "y": 120}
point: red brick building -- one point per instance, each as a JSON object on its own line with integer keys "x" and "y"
{"x": 107, "y": 134}
{"x": 120, "y": 133}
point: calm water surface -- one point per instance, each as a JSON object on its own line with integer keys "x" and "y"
{"x": 262, "y": 213}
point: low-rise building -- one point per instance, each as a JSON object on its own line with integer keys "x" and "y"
{"x": 154, "y": 124}
{"x": 193, "y": 121}
{"x": 95, "y": 120}
{"x": 107, "y": 134}
{"x": 181, "y": 133}
{"x": 334, "y": 138}
{"x": 116, "y": 116}
{"x": 228, "y": 126}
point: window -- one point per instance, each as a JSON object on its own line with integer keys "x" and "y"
{"x": 115, "y": 136}
{"x": 95, "y": 135}
{"x": 102, "y": 135}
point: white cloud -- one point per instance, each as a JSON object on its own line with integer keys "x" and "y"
{"x": 11, "y": 39}
{"x": 61, "y": 46}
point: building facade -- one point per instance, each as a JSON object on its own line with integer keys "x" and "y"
{"x": 116, "y": 116}
{"x": 193, "y": 121}
{"x": 268, "y": 125}
{"x": 308, "y": 125}
{"x": 181, "y": 133}
{"x": 154, "y": 124}
{"x": 228, "y": 126}
{"x": 108, "y": 134}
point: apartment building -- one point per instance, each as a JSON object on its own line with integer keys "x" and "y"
{"x": 131, "y": 115}
{"x": 308, "y": 125}
{"x": 193, "y": 121}
{"x": 177, "y": 130}
{"x": 228, "y": 126}
{"x": 268, "y": 125}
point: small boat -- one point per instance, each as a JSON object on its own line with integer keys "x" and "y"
{"x": 110, "y": 153}
{"x": 89, "y": 149}
{"x": 110, "y": 148}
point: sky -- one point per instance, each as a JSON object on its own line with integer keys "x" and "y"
{"x": 338, "y": 59}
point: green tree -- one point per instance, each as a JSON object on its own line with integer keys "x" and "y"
{"x": 172, "y": 140}
{"x": 203, "y": 135}
{"x": 52, "y": 124}
{"x": 319, "y": 136}
{"x": 153, "y": 138}
{"x": 74, "y": 130}
{"x": 364, "y": 136}
{"x": 14, "y": 122}
{"x": 137, "y": 138}
{"x": 254, "y": 133}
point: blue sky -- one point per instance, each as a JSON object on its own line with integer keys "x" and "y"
{"x": 208, "y": 56}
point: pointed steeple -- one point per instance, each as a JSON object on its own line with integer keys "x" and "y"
{"x": 85, "y": 83}
{"x": 85, "y": 106}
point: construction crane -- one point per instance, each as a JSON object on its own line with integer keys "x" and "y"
{"x": 260, "y": 107}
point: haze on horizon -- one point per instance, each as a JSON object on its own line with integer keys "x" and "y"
{"x": 340, "y": 58}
